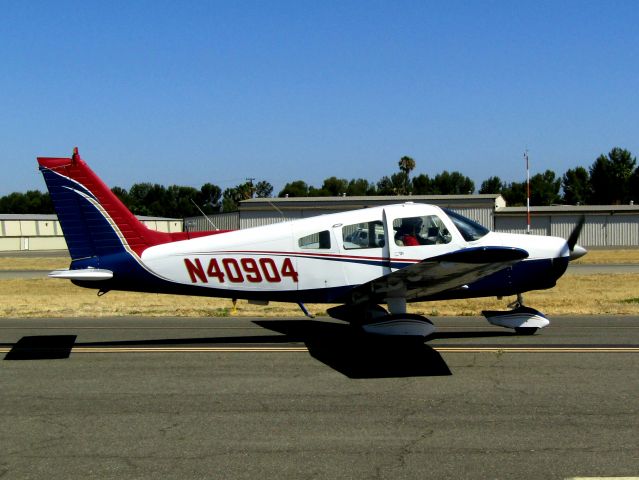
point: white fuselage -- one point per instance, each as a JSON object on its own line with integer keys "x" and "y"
{"x": 325, "y": 252}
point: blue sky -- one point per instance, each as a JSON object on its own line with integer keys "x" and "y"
{"x": 193, "y": 92}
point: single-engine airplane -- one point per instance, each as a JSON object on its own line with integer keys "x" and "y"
{"x": 361, "y": 259}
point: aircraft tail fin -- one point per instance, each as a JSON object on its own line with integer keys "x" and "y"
{"x": 94, "y": 221}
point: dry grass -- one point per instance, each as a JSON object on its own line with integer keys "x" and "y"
{"x": 610, "y": 257}
{"x": 34, "y": 263}
{"x": 574, "y": 294}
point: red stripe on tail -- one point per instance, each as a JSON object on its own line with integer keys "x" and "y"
{"x": 138, "y": 236}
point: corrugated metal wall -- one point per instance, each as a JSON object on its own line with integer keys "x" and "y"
{"x": 600, "y": 230}
{"x": 538, "y": 225}
{"x": 220, "y": 221}
{"x": 483, "y": 216}
{"x": 258, "y": 218}
{"x": 23, "y": 233}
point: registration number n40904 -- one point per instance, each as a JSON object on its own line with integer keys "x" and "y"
{"x": 240, "y": 270}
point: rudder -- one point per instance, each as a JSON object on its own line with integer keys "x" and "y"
{"x": 94, "y": 221}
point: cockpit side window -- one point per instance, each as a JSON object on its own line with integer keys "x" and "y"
{"x": 469, "y": 229}
{"x": 424, "y": 230}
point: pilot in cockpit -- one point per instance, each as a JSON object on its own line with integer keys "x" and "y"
{"x": 408, "y": 232}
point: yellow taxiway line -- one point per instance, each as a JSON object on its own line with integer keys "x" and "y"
{"x": 305, "y": 349}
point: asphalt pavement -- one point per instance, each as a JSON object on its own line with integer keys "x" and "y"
{"x": 272, "y": 398}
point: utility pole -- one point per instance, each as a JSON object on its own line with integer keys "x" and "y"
{"x": 527, "y": 192}
{"x": 250, "y": 181}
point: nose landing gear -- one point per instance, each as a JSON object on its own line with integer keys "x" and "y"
{"x": 524, "y": 320}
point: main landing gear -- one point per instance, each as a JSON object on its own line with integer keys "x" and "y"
{"x": 377, "y": 320}
{"x": 524, "y": 320}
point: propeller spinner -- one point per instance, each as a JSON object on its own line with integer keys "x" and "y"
{"x": 576, "y": 251}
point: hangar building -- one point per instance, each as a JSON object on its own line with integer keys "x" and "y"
{"x": 43, "y": 232}
{"x": 610, "y": 226}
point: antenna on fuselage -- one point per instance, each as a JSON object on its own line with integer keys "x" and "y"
{"x": 278, "y": 210}
{"x": 204, "y": 214}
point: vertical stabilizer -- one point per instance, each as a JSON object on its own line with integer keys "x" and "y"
{"x": 94, "y": 221}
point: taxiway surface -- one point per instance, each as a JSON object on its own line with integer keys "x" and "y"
{"x": 245, "y": 398}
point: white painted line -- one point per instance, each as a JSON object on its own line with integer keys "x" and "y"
{"x": 602, "y": 478}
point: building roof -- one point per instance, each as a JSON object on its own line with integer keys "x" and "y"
{"x": 54, "y": 217}
{"x": 571, "y": 209}
{"x": 28, "y": 216}
{"x": 348, "y": 203}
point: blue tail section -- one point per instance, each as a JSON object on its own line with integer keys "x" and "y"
{"x": 86, "y": 230}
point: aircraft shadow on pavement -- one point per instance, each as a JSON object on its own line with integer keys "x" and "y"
{"x": 358, "y": 355}
{"x": 481, "y": 334}
{"x": 42, "y": 347}
{"x": 339, "y": 346}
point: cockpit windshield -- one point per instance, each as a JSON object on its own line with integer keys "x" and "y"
{"x": 469, "y": 229}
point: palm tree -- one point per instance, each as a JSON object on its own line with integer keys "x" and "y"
{"x": 406, "y": 165}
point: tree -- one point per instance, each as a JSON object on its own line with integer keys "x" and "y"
{"x": 576, "y": 186}
{"x": 385, "y": 186}
{"x": 298, "y": 188}
{"x": 544, "y": 188}
{"x": 263, "y": 189}
{"x": 406, "y": 165}
{"x": 393, "y": 185}
{"x": 359, "y": 187}
{"x": 123, "y": 195}
{"x": 333, "y": 187}
{"x": 453, "y": 183}
{"x": 422, "y": 184}
{"x": 209, "y": 198}
{"x": 601, "y": 181}
{"x": 492, "y": 185}
{"x": 232, "y": 197}
{"x": 147, "y": 199}
{"x": 515, "y": 194}
{"x": 179, "y": 202}
{"x": 33, "y": 201}
{"x": 634, "y": 187}
{"x": 610, "y": 177}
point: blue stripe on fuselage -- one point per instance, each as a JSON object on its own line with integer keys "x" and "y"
{"x": 538, "y": 274}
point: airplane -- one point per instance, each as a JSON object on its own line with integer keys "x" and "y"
{"x": 359, "y": 260}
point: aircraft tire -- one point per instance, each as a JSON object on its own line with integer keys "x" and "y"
{"x": 526, "y": 330}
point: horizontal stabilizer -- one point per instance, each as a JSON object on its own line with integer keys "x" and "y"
{"x": 87, "y": 274}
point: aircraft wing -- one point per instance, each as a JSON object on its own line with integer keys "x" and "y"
{"x": 437, "y": 274}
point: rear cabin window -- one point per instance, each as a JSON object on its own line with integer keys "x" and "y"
{"x": 363, "y": 235}
{"x": 317, "y": 241}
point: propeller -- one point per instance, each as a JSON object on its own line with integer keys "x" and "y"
{"x": 576, "y": 251}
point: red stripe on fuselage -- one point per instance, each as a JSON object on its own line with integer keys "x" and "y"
{"x": 319, "y": 256}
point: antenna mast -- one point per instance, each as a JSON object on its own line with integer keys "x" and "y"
{"x": 204, "y": 214}
{"x": 527, "y": 192}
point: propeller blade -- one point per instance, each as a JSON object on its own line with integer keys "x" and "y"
{"x": 574, "y": 236}
{"x": 576, "y": 251}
